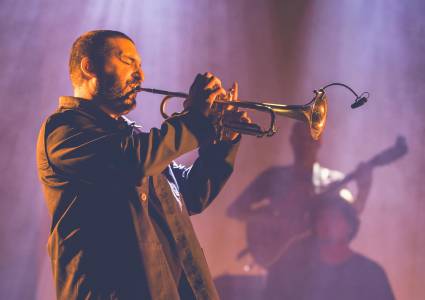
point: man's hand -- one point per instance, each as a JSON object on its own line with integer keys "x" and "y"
{"x": 233, "y": 115}
{"x": 204, "y": 90}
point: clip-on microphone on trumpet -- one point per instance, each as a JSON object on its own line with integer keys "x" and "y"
{"x": 359, "y": 101}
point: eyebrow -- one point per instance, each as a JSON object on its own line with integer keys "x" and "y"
{"x": 132, "y": 58}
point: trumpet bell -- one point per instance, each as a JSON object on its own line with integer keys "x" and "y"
{"x": 318, "y": 115}
{"x": 314, "y": 113}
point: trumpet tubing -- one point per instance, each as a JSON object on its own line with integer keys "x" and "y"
{"x": 313, "y": 113}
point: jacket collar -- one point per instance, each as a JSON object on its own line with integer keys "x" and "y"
{"x": 88, "y": 106}
{"x": 69, "y": 102}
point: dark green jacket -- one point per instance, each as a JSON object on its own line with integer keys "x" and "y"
{"x": 120, "y": 206}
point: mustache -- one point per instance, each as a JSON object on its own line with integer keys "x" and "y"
{"x": 135, "y": 84}
{"x": 135, "y": 81}
{"x": 107, "y": 86}
{"x": 132, "y": 84}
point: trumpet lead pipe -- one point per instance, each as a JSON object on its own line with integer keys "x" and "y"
{"x": 161, "y": 92}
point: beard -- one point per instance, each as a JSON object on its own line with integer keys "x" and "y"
{"x": 117, "y": 98}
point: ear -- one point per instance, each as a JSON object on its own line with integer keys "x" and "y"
{"x": 87, "y": 68}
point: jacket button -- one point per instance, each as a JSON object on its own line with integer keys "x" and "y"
{"x": 143, "y": 197}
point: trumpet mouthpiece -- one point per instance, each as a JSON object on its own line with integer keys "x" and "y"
{"x": 138, "y": 89}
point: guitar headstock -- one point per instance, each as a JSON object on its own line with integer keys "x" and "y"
{"x": 391, "y": 154}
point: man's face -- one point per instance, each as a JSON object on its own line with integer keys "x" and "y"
{"x": 120, "y": 74}
{"x": 332, "y": 227}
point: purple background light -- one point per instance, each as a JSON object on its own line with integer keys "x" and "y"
{"x": 278, "y": 51}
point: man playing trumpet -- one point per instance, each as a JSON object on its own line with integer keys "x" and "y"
{"x": 120, "y": 205}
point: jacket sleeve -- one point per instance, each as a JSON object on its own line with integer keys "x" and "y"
{"x": 75, "y": 147}
{"x": 201, "y": 183}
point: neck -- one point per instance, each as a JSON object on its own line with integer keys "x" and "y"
{"x": 84, "y": 94}
{"x": 334, "y": 253}
{"x": 109, "y": 112}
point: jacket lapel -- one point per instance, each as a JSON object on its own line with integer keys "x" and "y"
{"x": 189, "y": 251}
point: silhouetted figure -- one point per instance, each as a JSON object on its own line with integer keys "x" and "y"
{"x": 275, "y": 205}
{"x": 322, "y": 266}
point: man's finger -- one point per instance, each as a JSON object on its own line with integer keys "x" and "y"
{"x": 235, "y": 91}
{"x": 246, "y": 119}
{"x": 208, "y": 74}
{"x": 244, "y": 115}
{"x": 215, "y": 93}
{"x": 214, "y": 82}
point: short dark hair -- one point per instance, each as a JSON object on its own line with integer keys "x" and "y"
{"x": 92, "y": 44}
{"x": 336, "y": 202}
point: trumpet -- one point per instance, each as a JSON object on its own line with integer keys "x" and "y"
{"x": 313, "y": 113}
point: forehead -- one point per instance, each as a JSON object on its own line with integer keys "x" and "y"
{"x": 123, "y": 46}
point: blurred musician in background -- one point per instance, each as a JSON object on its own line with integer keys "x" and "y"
{"x": 275, "y": 205}
{"x": 322, "y": 266}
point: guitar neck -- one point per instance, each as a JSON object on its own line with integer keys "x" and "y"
{"x": 371, "y": 163}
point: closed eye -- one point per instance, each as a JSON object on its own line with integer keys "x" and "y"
{"x": 130, "y": 61}
{"x": 127, "y": 60}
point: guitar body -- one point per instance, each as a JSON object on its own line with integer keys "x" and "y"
{"x": 268, "y": 239}
{"x": 271, "y": 228}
